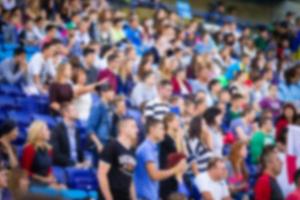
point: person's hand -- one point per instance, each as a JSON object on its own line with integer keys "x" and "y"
{"x": 99, "y": 148}
{"x": 50, "y": 180}
{"x": 181, "y": 167}
{"x": 103, "y": 81}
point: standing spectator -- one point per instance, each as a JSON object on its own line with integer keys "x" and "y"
{"x": 296, "y": 194}
{"x": 211, "y": 184}
{"x": 37, "y": 156}
{"x": 288, "y": 116}
{"x": 147, "y": 173}
{"x": 8, "y": 133}
{"x": 109, "y": 74}
{"x": 14, "y": 70}
{"x": 237, "y": 170}
{"x": 133, "y": 32}
{"x": 263, "y": 137}
{"x": 159, "y": 107}
{"x": 266, "y": 187}
{"x": 120, "y": 111}
{"x": 65, "y": 139}
{"x": 180, "y": 83}
{"x": 144, "y": 91}
{"x": 100, "y": 120}
{"x": 117, "y": 163}
{"x": 213, "y": 117}
{"x": 88, "y": 60}
{"x": 198, "y": 146}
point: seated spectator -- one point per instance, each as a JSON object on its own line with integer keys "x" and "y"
{"x": 237, "y": 170}
{"x": 165, "y": 69}
{"x": 51, "y": 33}
{"x": 41, "y": 70}
{"x": 133, "y": 32}
{"x": 145, "y": 66}
{"x": 117, "y": 32}
{"x": 14, "y": 70}
{"x": 145, "y": 90}
{"x": 235, "y": 109}
{"x": 263, "y": 137}
{"x": 242, "y": 127}
{"x": 213, "y": 117}
{"x": 271, "y": 102}
{"x": 100, "y": 120}
{"x": 237, "y": 67}
{"x": 37, "y": 157}
{"x": 198, "y": 146}
{"x": 18, "y": 183}
{"x": 211, "y": 184}
{"x": 5, "y": 194}
{"x": 65, "y": 140}
{"x": 296, "y": 194}
{"x": 157, "y": 108}
{"x": 110, "y": 73}
{"x": 214, "y": 89}
{"x": 125, "y": 80}
{"x": 87, "y": 62}
{"x": 117, "y": 163}
{"x": 266, "y": 187}
{"x": 82, "y": 34}
{"x": 29, "y": 36}
{"x": 180, "y": 83}
{"x": 8, "y": 154}
{"x": 287, "y": 117}
{"x": 147, "y": 173}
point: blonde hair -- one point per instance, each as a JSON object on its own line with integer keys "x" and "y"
{"x": 60, "y": 70}
{"x": 34, "y": 135}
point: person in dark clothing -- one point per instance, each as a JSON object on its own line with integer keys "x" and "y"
{"x": 266, "y": 187}
{"x": 65, "y": 139}
{"x": 118, "y": 163}
{"x": 88, "y": 60}
{"x": 120, "y": 111}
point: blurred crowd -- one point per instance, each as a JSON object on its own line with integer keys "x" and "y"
{"x": 169, "y": 108}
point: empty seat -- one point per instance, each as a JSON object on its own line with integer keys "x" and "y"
{"x": 22, "y": 118}
{"x": 46, "y": 118}
{"x": 8, "y": 89}
{"x": 84, "y": 179}
{"x": 7, "y": 102}
{"x": 59, "y": 174}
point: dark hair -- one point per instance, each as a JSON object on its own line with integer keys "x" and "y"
{"x": 19, "y": 51}
{"x": 212, "y": 83}
{"x": 268, "y": 151}
{"x": 247, "y": 111}
{"x": 213, "y": 162}
{"x": 164, "y": 83}
{"x": 210, "y": 115}
{"x": 291, "y": 106}
{"x": 297, "y": 177}
{"x": 103, "y": 88}
{"x": 263, "y": 120}
{"x": 195, "y": 128}
{"x": 112, "y": 58}
{"x": 151, "y": 122}
{"x": 47, "y": 46}
{"x": 88, "y": 51}
{"x": 236, "y": 96}
{"x": 6, "y": 127}
{"x": 50, "y": 27}
{"x": 282, "y": 136}
{"x": 167, "y": 119}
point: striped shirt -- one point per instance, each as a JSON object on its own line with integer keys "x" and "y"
{"x": 198, "y": 153}
{"x": 156, "y": 109}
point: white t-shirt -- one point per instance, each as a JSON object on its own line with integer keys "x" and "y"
{"x": 218, "y": 189}
{"x": 83, "y": 105}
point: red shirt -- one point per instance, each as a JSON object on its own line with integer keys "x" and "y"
{"x": 294, "y": 195}
{"x": 267, "y": 188}
{"x": 110, "y": 76}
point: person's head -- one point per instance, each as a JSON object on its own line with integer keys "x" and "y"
{"x": 200, "y": 106}
{"x": 273, "y": 91}
{"x": 266, "y": 124}
{"x": 69, "y": 112}
{"x": 106, "y": 92}
{"x": 224, "y": 96}
{"x": 289, "y": 112}
{"x": 149, "y": 79}
{"x": 84, "y": 25}
{"x": 248, "y": 114}
{"x": 213, "y": 116}
{"x": 48, "y": 50}
{"x": 237, "y": 100}
{"x": 214, "y": 86}
{"x": 155, "y": 129}
{"x": 127, "y": 127}
{"x": 3, "y": 177}
{"x": 120, "y": 105}
{"x": 19, "y": 55}
{"x": 270, "y": 161}
{"x": 195, "y": 127}
{"x": 113, "y": 61}
{"x": 89, "y": 55}
{"x": 165, "y": 90}
{"x": 297, "y": 178}
{"x": 245, "y": 60}
{"x": 51, "y": 30}
{"x": 38, "y": 134}
{"x": 18, "y": 182}
{"x": 171, "y": 122}
{"x": 217, "y": 169}
{"x": 64, "y": 72}
{"x": 180, "y": 74}
{"x": 9, "y": 130}
{"x": 80, "y": 76}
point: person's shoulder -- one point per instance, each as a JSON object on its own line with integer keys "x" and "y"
{"x": 202, "y": 177}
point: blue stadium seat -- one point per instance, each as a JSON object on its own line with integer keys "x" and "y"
{"x": 13, "y": 90}
{"x": 9, "y": 46}
{"x": 84, "y": 179}
{"x": 21, "y": 139}
{"x": 59, "y": 174}
{"x": 46, "y": 118}
{"x": 7, "y": 102}
{"x": 2, "y": 116}
{"x": 22, "y": 118}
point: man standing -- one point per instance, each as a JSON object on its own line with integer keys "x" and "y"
{"x": 117, "y": 163}
{"x": 211, "y": 183}
{"x": 266, "y": 187}
{"x": 147, "y": 174}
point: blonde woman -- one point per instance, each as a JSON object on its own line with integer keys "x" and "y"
{"x": 37, "y": 156}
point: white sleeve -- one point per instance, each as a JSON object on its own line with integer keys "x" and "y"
{"x": 202, "y": 183}
{"x": 35, "y": 66}
{"x": 225, "y": 190}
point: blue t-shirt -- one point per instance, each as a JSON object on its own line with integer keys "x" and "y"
{"x": 146, "y": 188}
{"x": 239, "y": 123}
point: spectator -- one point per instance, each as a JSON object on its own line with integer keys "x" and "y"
{"x": 180, "y": 84}
{"x": 100, "y": 120}
{"x": 198, "y": 146}
{"x": 41, "y": 70}
{"x": 145, "y": 90}
{"x": 28, "y": 36}
{"x": 8, "y": 154}
{"x": 125, "y": 79}
{"x": 88, "y": 61}
{"x": 271, "y": 102}
{"x": 117, "y": 163}
{"x": 214, "y": 89}
{"x": 117, "y": 32}
{"x": 237, "y": 170}
{"x": 110, "y": 73}
{"x": 14, "y": 70}
{"x": 243, "y": 127}
{"x": 4, "y": 192}
{"x": 295, "y": 195}
{"x": 263, "y": 137}
{"x": 213, "y": 117}
{"x": 120, "y": 111}
{"x": 266, "y": 187}
{"x": 65, "y": 139}
{"x": 18, "y": 183}
{"x": 287, "y": 117}
{"x": 133, "y": 33}
{"x": 172, "y": 143}
{"x": 82, "y": 34}
{"x": 147, "y": 173}
{"x": 211, "y": 184}
{"x": 165, "y": 69}
{"x": 37, "y": 156}
{"x": 51, "y": 33}
{"x": 145, "y": 66}
{"x": 159, "y": 107}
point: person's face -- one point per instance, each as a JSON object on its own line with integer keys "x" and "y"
{"x": 21, "y": 58}
{"x": 81, "y": 77}
{"x": 24, "y": 184}
{"x": 3, "y": 179}
{"x": 244, "y": 152}
{"x": 251, "y": 116}
{"x": 13, "y": 134}
{"x": 289, "y": 112}
{"x": 91, "y": 58}
{"x": 71, "y": 113}
{"x": 150, "y": 80}
{"x": 50, "y": 52}
{"x": 45, "y": 134}
{"x": 276, "y": 164}
{"x": 110, "y": 95}
{"x": 166, "y": 91}
{"x": 132, "y": 130}
{"x": 68, "y": 71}
{"x": 181, "y": 75}
{"x": 225, "y": 97}
{"x": 217, "y": 88}
{"x": 221, "y": 171}
{"x": 269, "y": 126}
{"x": 174, "y": 124}
{"x": 219, "y": 119}
{"x": 121, "y": 107}
{"x": 159, "y": 132}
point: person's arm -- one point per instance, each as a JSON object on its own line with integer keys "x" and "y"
{"x": 241, "y": 134}
{"x": 103, "y": 179}
{"x": 132, "y": 191}
{"x": 207, "y": 196}
{"x": 93, "y": 123}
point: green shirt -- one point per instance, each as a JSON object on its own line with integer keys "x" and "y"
{"x": 257, "y": 143}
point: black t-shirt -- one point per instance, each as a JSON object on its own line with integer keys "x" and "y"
{"x": 122, "y": 162}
